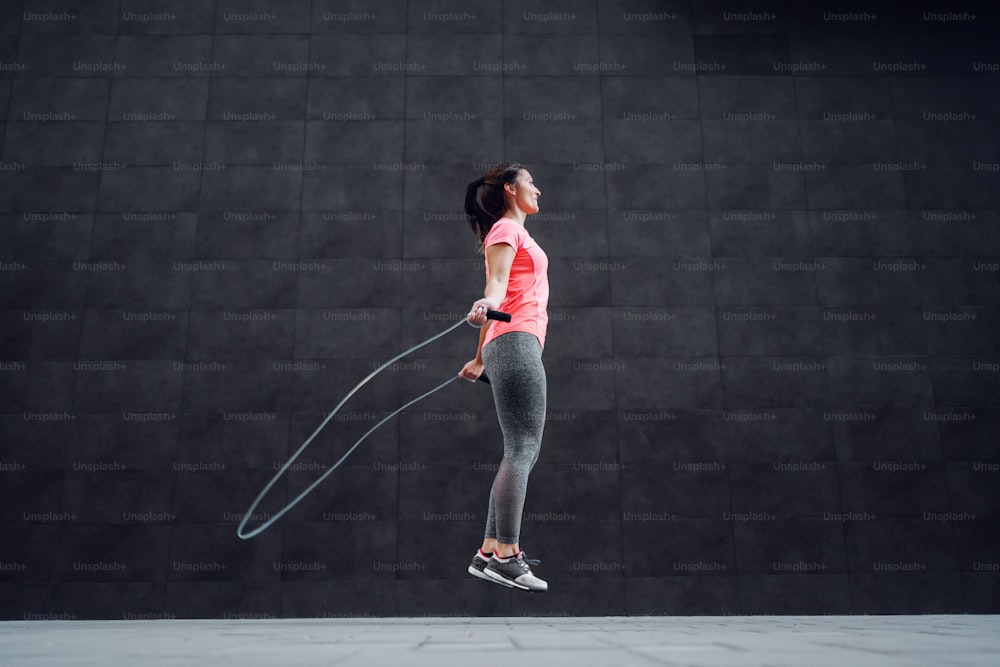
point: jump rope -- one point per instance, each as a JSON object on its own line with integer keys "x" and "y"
{"x": 490, "y": 314}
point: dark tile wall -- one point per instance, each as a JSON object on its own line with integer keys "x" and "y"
{"x": 773, "y": 355}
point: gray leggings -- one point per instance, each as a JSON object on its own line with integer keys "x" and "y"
{"x": 513, "y": 362}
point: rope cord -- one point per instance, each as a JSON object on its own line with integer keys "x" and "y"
{"x": 264, "y": 526}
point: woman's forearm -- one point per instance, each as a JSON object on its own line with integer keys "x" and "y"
{"x": 496, "y": 289}
{"x": 482, "y": 336}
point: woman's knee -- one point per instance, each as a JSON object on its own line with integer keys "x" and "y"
{"x": 524, "y": 450}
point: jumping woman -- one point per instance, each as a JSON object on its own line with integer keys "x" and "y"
{"x": 511, "y": 354}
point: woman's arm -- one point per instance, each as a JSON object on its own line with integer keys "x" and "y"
{"x": 482, "y": 337}
{"x": 501, "y": 258}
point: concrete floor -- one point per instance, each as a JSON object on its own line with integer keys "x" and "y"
{"x": 704, "y": 641}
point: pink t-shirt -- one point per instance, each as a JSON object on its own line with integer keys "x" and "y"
{"x": 528, "y": 285}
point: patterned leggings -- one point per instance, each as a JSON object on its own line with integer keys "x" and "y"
{"x": 513, "y": 362}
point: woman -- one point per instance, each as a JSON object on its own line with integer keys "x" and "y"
{"x": 511, "y": 353}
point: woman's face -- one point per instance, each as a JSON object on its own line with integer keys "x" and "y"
{"x": 525, "y": 193}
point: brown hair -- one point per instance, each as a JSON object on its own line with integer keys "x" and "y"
{"x": 484, "y": 202}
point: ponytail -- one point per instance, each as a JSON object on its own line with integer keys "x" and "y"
{"x": 484, "y": 200}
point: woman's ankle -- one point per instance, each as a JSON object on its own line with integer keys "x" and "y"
{"x": 507, "y": 550}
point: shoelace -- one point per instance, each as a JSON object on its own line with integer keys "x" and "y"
{"x": 530, "y": 561}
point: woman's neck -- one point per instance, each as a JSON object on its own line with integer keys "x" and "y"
{"x": 517, "y": 215}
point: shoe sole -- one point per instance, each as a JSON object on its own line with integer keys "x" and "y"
{"x": 478, "y": 573}
{"x": 500, "y": 579}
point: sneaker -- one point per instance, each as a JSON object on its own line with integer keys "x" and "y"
{"x": 478, "y": 566}
{"x": 515, "y": 572}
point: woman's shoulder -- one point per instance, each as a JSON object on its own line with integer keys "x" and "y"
{"x": 506, "y": 226}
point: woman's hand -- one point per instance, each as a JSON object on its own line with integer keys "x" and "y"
{"x": 472, "y": 370}
{"x": 477, "y": 315}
